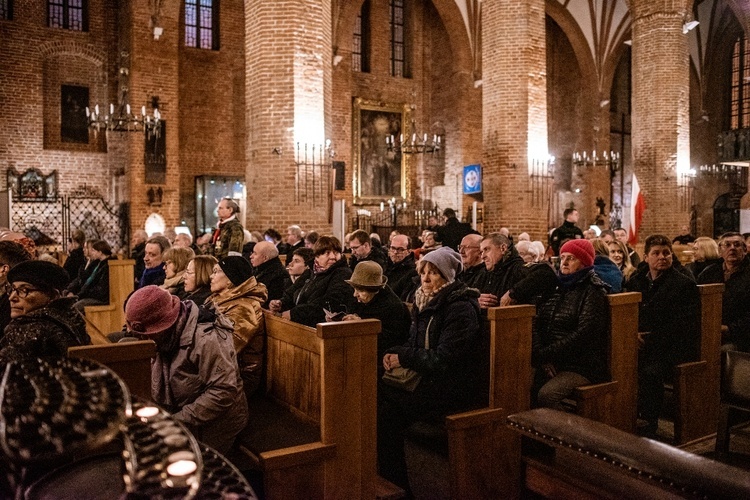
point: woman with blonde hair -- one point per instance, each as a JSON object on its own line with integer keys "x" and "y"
{"x": 176, "y": 260}
{"x": 198, "y": 278}
{"x": 618, "y": 252}
{"x": 705, "y": 253}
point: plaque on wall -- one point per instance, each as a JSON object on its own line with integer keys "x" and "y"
{"x": 32, "y": 185}
{"x": 155, "y": 156}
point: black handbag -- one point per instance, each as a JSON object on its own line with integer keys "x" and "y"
{"x": 406, "y": 378}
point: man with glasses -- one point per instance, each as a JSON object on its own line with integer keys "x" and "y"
{"x": 471, "y": 258}
{"x": 734, "y": 271}
{"x": 401, "y": 268}
{"x": 363, "y": 249}
{"x": 11, "y": 254}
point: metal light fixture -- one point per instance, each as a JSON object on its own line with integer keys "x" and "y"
{"x": 417, "y": 142}
{"x": 119, "y": 117}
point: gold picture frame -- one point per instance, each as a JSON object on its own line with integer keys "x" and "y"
{"x": 381, "y": 170}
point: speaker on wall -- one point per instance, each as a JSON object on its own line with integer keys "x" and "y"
{"x": 339, "y": 172}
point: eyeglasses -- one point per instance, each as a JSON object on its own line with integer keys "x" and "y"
{"x": 733, "y": 244}
{"x": 21, "y": 292}
{"x": 461, "y": 248}
{"x": 397, "y": 249}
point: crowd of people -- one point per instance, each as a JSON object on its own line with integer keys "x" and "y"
{"x": 202, "y": 304}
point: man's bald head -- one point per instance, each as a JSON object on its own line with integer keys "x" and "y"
{"x": 263, "y": 251}
{"x": 469, "y": 250}
{"x": 399, "y": 248}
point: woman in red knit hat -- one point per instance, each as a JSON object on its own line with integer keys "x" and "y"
{"x": 570, "y": 331}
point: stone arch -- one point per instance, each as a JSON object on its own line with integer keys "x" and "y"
{"x": 450, "y": 16}
{"x": 73, "y": 48}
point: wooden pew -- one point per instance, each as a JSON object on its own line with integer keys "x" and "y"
{"x": 697, "y": 384}
{"x": 324, "y": 380}
{"x": 130, "y": 360}
{"x": 615, "y": 402}
{"x": 101, "y": 320}
{"x": 484, "y": 455}
{"x": 574, "y": 458}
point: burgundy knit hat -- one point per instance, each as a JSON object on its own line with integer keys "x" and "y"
{"x": 151, "y": 310}
{"x": 583, "y": 250}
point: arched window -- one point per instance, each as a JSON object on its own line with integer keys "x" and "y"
{"x": 740, "y": 84}
{"x": 202, "y": 24}
{"x": 361, "y": 41}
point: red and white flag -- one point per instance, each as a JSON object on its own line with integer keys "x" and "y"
{"x": 637, "y": 206}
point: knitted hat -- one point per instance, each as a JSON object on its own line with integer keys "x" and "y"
{"x": 43, "y": 275}
{"x": 151, "y": 310}
{"x": 447, "y": 260}
{"x": 583, "y": 250}
{"x": 368, "y": 274}
{"x": 238, "y": 269}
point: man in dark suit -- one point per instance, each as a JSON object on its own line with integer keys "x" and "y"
{"x": 451, "y": 233}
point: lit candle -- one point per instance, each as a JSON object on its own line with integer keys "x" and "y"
{"x": 143, "y": 111}
{"x": 382, "y": 206}
{"x": 111, "y": 109}
{"x": 88, "y": 113}
{"x": 96, "y": 109}
{"x": 127, "y": 109}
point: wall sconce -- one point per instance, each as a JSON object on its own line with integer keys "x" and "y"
{"x": 158, "y": 30}
{"x": 337, "y": 59}
{"x": 276, "y": 151}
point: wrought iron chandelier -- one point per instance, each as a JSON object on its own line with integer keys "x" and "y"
{"x": 119, "y": 117}
{"x": 417, "y": 142}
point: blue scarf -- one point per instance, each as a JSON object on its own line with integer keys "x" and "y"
{"x": 568, "y": 281}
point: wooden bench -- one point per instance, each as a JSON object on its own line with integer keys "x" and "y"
{"x": 313, "y": 432}
{"x": 101, "y": 320}
{"x": 615, "y": 402}
{"x": 697, "y": 384}
{"x": 130, "y": 360}
{"x": 574, "y": 458}
{"x": 484, "y": 455}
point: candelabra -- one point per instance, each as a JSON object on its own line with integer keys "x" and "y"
{"x": 119, "y": 117}
{"x": 416, "y": 144}
{"x": 610, "y": 160}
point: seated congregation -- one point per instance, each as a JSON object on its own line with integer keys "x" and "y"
{"x": 223, "y": 324}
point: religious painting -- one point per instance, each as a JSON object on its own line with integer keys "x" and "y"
{"x": 32, "y": 185}
{"x": 380, "y": 170}
{"x": 155, "y": 155}
{"x": 74, "y": 125}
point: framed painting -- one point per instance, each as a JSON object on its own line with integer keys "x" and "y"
{"x": 380, "y": 169}
{"x": 74, "y": 125}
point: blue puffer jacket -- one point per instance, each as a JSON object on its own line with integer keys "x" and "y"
{"x": 609, "y": 273}
{"x": 450, "y": 364}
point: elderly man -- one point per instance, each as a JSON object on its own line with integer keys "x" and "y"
{"x": 269, "y": 270}
{"x": 229, "y": 235}
{"x": 503, "y": 268}
{"x": 401, "y": 268}
{"x": 362, "y": 249}
{"x": 471, "y": 258}
{"x": 155, "y": 271}
{"x": 734, "y": 271}
{"x": 294, "y": 240}
{"x": 668, "y": 316}
{"x": 183, "y": 240}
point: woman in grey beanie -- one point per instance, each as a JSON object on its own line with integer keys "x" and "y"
{"x": 443, "y": 348}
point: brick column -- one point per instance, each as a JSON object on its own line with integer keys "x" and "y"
{"x": 514, "y": 112}
{"x": 288, "y": 85}
{"x": 661, "y": 111}
{"x": 154, "y": 72}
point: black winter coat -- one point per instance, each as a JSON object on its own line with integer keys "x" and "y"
{"x": 670, "y": 310}
{"x": 325, "y": 290}
{"x": 568, "y": 231}
{"x": 75, "y": 262}
{"x": 139, "y": 251}
{"x": 376, "y": 255}
{"x": 735, "y": 306}
{"x": 394, "y": 317}
{"x": 274, "y": 275}
{"x": 45, "y": 332}
{"x": 504, "y": 276}
{"x": 470, "y": 275}
{"x": 96, "y": 285}
{"x": 400, "y": 275}
{"x": 540, "y": 282}
{"x": 451, "y": 234}
{"x": 571, "y": 329}
{"x": 289, "y": 299}
{"x": 697, "y": 267}
{"x": 199, "y": 296}
{"x": 449, "y": 367}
